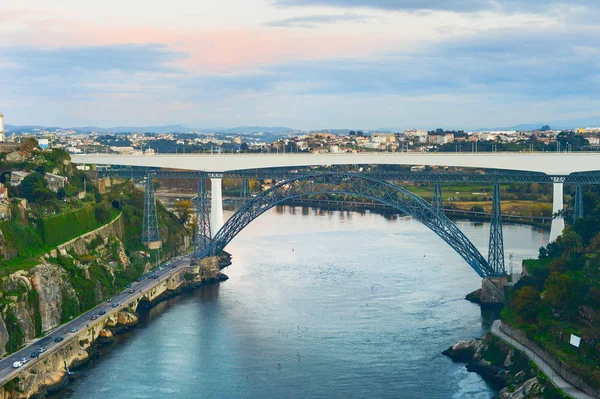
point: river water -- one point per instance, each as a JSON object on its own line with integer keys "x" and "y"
{"x": 318, "y": 305}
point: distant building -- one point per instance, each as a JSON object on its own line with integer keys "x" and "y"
{"x": 44, "y": 144}
{"x": 385, "y": 138}
{"x": 55, "y": 182}
{"x": 420, "y": 134}
{"x": 17, "y": 177}
{"x": 3, "y": 194}
{"x": 2, "y": 133}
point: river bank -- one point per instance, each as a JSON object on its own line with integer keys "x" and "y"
{"x": 52, "y": 373}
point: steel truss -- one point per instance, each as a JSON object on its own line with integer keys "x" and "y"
{"x": 202, "y": 233}
{"x": 150, "y": 232}
{"x": 245, "y": 190}
{"x": 437, "y": 200}
{"x": 504, "y": 177}
{"x": 496, "y": 244}
{"x": 578, "y": 211}
{"x": 357, "y": 185}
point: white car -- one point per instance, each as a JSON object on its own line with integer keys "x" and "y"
{"x": 17, "y": 364}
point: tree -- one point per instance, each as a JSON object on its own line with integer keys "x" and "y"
{"x": 34, "y": 188}
{"x": 29, "y": 145}
{"x": 557, "y": 290}
{"x": 571, "y": 243}
{"x": 244, "y": 147}
{"x": 545, "y": 128}
{"x": 352, "y": 133}
{"x": 526, "y": 303}
{"x": 184, "y": 210}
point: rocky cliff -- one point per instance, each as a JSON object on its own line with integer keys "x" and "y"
{"x": 504, "y": 367}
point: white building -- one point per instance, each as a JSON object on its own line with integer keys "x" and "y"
{"x": 2, "y": 133}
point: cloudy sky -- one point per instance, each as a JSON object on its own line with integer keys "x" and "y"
{"x": 299, "y": 63}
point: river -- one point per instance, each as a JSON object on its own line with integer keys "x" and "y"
{"x": 318, "y": 305}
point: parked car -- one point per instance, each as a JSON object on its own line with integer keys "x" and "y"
{"x": 114, "y": 305}
{"x": 41, "y": 349}
{"x": 35, "y": 354}
{"x": 58, "y": 339}
{"x": 102, "y": 312}
{"x": 74, "y": 329}
{"x": 16, "y": 365}
{"x": 25, "y": 360}
{"x": 130, "y": 290}
{"x": 93, "y": 317}
{"x": 109, "y": 300}
{"x": 128, "y": 286}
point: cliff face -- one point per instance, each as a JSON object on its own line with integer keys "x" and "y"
{"x": 53, "y": 287}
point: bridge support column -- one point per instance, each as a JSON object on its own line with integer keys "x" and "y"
{"x": 578, "y": 208}
{"x": 216, "y": 204}
{"x": 202, "y": 233}
{"x": 558, "y": 223}
{"x": 437, "y": 200}
{"x": 150, "y": 232}
{"x": 245, "y": 190}
{"x": 496, "y": 245}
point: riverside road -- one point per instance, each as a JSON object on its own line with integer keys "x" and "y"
{"x": 7, "y": 372}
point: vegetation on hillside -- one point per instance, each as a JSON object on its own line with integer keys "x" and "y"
{"x": 561, "y": 294}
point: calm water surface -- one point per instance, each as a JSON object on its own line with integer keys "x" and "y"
{"x": 318, "y": 305}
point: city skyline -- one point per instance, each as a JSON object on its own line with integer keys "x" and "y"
{"x": 305, "y": 64}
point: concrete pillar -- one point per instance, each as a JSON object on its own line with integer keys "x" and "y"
{"x": 558, "y": 224}
{"x": 216, "y": 205}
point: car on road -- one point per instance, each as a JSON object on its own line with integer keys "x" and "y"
{"x": 109, "y": 300}
{"x": 102, "y": 312}
{"x": 93, "y": 317}
{"x": 128, "y": 286}
{"x": 58, "y": 339}
{"x": 17, "y": 364}
{"x": 35, "y": 354}
{"x": 25, "y": 360}
{"x": 130, "y": 290}
{"x": 173, "y": 266}
{"x": 74, "y": 329}
{"x": 155, "y": 276}
{"x": 114, "y": 305}
{"x": 41, "y": 349}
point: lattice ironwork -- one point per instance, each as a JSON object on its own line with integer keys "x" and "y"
{"x": 496, "y": 244}
{"x": 466, "y": 177}
{"x": 245, "y": 189}
{"x": 349, "y": 184}
{"x": 202, "y": 233}
{"x": 437, "y": 201}
{"x": 578, "y": 208}
{"x": 150, "y": 232}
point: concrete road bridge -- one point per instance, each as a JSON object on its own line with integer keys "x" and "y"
{"x": 213, "y": 234}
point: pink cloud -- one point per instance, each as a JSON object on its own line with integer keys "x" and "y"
{"x": 220, "y": 51}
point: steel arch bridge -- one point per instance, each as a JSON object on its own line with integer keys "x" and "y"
{"x": 356, "y": 185}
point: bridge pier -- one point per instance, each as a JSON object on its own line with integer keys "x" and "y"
{"x": 216, "y": 204}
{"x": 496, "y": 244}
{"x": 437, "y": 200}
{"x": 578, "y": 208}
{"x": 202, "y": 234}
{"x": 558, "y": 223}
{"x": 150, "y": 233}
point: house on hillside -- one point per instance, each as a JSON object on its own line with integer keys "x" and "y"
{"x": 17, "y": 177}
{"x": 55, "y": 182}
{"x": 17, "y": 156}
{"x": 3, "y": 194}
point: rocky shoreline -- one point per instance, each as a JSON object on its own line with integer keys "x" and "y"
{"x": 506, "y": 369}
{"x": 53, "y": 375}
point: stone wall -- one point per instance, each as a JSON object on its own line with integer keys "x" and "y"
{"x": 80, "y": 244}
{"x": 566, "y": 372}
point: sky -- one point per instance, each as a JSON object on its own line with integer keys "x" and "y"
{"x": 305, "y": 64}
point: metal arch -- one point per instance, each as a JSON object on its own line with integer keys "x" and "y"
{"x": 349, "y": 184}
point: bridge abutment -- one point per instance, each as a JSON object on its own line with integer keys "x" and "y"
{"x": 216, "y": 205}
{"x": 558, "y": 223}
